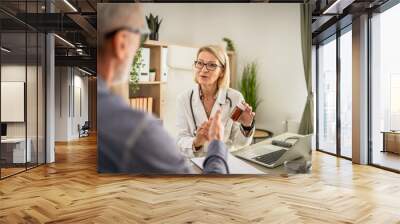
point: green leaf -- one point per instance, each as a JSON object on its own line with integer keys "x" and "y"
{"x": 229, "y": 44}
{"x": 154, "y": 23}
{"x": 134, "y": 75}
{"x": 248, "y": 85}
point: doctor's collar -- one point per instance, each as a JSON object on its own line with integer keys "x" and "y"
{"x": 202, "y": 95}
{"x": 220, "y": 96}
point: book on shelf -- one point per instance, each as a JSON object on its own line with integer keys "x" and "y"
{"x": 133, "y": 102}
{"x": 144, "y": 105}
{"x": 140, "y": 104}
{"x": 150, "y": 105}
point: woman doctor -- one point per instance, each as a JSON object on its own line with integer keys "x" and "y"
{"x": 211, "y": 92}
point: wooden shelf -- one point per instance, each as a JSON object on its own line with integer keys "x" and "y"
{"x": 155, "y": 89}
{"x": 153, "y": 43}
{"x": 152, "y": 83}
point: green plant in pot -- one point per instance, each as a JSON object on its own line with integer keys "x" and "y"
{"x": 248, "y": 85}
{"x": 153, "y": 23}
{"x": 229, "y": 44}
{"x": 134, "y": 74}
{"x": 152, "y": 75}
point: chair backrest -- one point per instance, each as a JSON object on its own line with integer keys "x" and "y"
{"x": 180, "y": 79}
{"x": 86, "y": 125}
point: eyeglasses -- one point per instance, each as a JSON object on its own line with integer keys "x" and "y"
{"x": 209, "y": 66}
{"x": 144, "y": 33}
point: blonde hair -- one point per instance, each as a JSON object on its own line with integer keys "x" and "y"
{"x": 223, "y": 59}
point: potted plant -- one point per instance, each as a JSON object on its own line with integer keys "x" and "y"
{"x": 248, "y": 85}
{"x": 154, "y": 25}
{"x": 152, "y": 75}
{"x": 229, "y": 44}
{"x": 134, "y": 74}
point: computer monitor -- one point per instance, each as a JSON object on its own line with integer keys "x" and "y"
{"x": 3, "y": 129}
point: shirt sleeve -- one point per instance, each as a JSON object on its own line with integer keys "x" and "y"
{"x": 155, "y": 152}
{"x": 216, "y": 160}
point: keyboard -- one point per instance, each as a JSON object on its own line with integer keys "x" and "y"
{"x": 270, "y": 158}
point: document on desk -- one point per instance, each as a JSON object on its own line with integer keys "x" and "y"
{"x": 236, "y": 165}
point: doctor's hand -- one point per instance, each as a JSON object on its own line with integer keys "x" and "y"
{"x": 216, "y": 129}
{"x": 247, "y": 116}
{"x": 201, "y": 134}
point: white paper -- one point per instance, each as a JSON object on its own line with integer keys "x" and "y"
{"x": 236, "y": 165}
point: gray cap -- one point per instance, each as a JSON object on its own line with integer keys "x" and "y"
{"x": 112, "y": 16}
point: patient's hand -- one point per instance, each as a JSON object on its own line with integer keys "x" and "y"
{"x": 216, "y": 130}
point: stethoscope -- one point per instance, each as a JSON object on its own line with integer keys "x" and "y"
{"x": 191, "y": 109}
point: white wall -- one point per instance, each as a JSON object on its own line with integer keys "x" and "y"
{"x": 80, "y": 82}
{"x": 68, "y": 81}
{"x": 267, "y": 33}
{"x": 61, "y": 103}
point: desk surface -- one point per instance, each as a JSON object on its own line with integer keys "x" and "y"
{"x": 280, "y": 170}
{"x": 13, "y": 140}
{"x": 390, "y": 132}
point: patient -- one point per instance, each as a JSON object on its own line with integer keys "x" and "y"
{"x": 211, "y": 93}
{"x": 132, "y": 141}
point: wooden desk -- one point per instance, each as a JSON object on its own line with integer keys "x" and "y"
{"x": 13, "y": 150}
{"x": 391, "y": 141}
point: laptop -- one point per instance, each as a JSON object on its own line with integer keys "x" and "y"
{"x": 271, "y": 156}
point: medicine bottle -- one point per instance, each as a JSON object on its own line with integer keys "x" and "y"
{"x": 237, "y": 111}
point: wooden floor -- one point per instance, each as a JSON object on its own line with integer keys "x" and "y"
{"x": 10, "y": 171}
{"x": 71, "y": 191}
{"x": 5, "y": 172}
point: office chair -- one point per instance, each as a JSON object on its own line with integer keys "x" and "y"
{"x": 84, "y": 130}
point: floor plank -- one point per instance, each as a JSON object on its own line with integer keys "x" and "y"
{"x": 71, "y": 191}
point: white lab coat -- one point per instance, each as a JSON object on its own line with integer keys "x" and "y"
{"x": 233, "y": 135}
